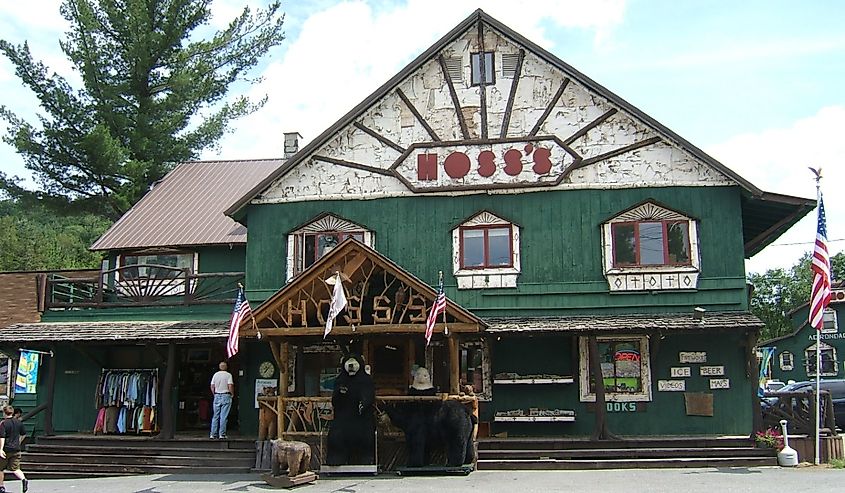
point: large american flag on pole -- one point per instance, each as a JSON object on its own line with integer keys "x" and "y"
{"x": 820, "y": 294}
{"x": 240, "y": 311}
{"x": 436, "y": 309}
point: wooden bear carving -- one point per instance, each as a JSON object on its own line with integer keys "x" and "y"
{"x": 295, "y": 456}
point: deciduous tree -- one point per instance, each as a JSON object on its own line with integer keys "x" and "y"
{"x": 779, "y": 291}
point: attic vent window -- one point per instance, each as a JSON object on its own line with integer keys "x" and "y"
{"x": 455, "y": 69}
{"x": 509, "y": 63}
{"x": 475, "y": 62}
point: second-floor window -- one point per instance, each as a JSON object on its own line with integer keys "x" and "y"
{"x": 830, "y": 324}
{"x": 651, "y": 243}
{"x": 156, "y": 266}
{"x": 486, "y": 246}
{"x": 315, "y": 245}
{"x": 309, "y": 243}
{"x": 650, "y": 247}
{"x": 485, "y": 252}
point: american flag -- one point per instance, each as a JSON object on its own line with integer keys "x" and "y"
{"x": 438, "y": 308}
{"x": 820, "y": 296}
{"x": 239, "y": 312}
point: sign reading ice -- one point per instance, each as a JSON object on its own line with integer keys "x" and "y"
{"x": 495, "y": 163}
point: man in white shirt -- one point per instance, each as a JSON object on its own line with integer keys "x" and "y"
{"x": 223, "y": 388}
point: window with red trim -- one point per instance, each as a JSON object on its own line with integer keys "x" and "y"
{"x": 646, "y": 243}
{"x": 486, "y": 247}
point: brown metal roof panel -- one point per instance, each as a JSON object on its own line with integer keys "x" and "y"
{"x": 186, "y": 207}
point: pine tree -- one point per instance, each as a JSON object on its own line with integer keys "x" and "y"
{"x": 153, "y": 95}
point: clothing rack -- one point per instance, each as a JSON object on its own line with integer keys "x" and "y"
{"x": 126, "y": 400}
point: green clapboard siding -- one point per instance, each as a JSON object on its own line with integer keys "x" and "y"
{"x": 801, "y": 339}
{"x": 664, "y": 415}
{"x": 560, "y": 246}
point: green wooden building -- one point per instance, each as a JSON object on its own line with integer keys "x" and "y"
{"x": 575, "y": 234}
{"x": 794, "y": 357}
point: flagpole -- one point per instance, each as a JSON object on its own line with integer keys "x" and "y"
{"x": 445, "y": 327}
{"x": 817, "y": 459}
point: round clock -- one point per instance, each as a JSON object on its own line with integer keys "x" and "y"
{"x": 267, "y": 369}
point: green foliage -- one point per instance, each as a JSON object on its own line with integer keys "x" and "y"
{"x": 35, "y": 239}
{"x": 779, "y": 291}
{"x": 153, "y": 95}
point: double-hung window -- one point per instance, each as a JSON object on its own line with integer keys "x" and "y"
{"x": 486, "y": 246}
{"x": 486, "y": 252}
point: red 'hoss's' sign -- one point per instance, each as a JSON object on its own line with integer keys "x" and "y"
{"x": 494, "y": 164}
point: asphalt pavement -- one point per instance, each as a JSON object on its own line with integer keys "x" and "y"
{"x": 704, "y": 480}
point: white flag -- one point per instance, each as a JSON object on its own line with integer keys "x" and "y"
{"x": 337, "y": 305}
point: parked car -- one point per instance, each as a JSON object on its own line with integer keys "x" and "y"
{"x": 836, "y": 387}
{"x": 774, "y": 385}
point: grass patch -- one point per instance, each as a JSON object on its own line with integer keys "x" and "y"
{"x": 837, "y": 463}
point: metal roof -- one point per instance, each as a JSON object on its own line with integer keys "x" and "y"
{"x": 186, "y": 207}
{"x": 668, "y": 322}
{"x": 113, "y": 331}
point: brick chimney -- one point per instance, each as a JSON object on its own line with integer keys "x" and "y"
{"x": 291, "y": 143}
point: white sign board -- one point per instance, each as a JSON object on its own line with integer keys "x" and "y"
{"x": 671, "y": 385}
{"x": 712, "y": 371}
{"x": 692, "y": 357}
{"x": 680, "y": 371}
{"x": 720, "y": 383}
{"x": 260, "y": 383}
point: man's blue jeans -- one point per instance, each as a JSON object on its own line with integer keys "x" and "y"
{"x": 222, "y": 404}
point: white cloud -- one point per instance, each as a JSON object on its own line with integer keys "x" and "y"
{"x": 776, "y": 160}
{"x": 346, "y": 51}
{"x": 42, "y": 15}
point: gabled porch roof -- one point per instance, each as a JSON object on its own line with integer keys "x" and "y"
{"x": 383, "y": 298}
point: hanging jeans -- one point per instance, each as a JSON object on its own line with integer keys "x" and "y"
{"x": 222, "y": 404}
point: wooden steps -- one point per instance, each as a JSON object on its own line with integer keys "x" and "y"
{"x": 557, "y": 453}
{"x": 89, "y": 456}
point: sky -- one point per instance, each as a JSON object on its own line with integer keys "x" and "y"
{"x": 756, "y": 84}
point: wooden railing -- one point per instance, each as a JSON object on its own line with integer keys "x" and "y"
{"x": 139, "y": 285}
{"x": 799, "y": 409}
{"x": 303, "y": 416}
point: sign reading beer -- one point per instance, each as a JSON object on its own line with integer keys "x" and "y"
{"x": 497, "y": 163}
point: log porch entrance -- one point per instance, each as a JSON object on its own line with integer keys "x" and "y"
{"x": 385, "y": 321}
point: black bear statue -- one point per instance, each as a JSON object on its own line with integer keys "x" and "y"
{"x": 430, "y": 425}
{"x": 351, "y": 437}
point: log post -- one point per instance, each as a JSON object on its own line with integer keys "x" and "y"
{"x": 167, "y": 422}
{"x": 753, "y": 372}
{"x": 455, "y": 365}
{"x": 601, "y": 430}
{"x": 281, "y": 352}
{"x": 51, "y": 391}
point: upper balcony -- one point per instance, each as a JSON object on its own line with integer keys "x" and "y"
{"x": 139, "y": 285}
